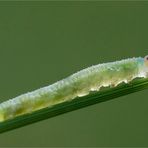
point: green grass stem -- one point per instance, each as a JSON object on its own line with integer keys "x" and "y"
{"x": 93, "y": 98}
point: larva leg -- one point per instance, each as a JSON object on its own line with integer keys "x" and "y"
{"x": 76, "y": 85}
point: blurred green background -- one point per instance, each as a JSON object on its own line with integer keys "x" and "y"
{"x": 42, "y": 42}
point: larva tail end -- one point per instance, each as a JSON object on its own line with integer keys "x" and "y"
{"x": 1, "y": 117}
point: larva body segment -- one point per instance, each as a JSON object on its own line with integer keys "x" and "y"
{"x": 78, "y": 84}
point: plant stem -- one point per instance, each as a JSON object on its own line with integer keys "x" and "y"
{"x": 77, "y": 103}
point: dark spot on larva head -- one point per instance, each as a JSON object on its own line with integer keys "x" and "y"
{"x": 145, "y": 68}
{"x": 146, "y": 57}
{"x": 146, "y": 60}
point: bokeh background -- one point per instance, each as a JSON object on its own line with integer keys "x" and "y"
{"x": 42, "y": 42}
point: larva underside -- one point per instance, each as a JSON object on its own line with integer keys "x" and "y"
{"x": 78, "y": 84}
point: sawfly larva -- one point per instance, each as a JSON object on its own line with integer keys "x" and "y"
{"x": 76, "y": 85}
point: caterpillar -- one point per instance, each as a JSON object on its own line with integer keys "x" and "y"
{"x": 77, "y": 85}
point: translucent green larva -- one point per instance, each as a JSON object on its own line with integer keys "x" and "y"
{"x": 78, "y": 84}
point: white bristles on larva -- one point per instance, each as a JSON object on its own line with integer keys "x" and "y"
{"x": 77, "y": 85}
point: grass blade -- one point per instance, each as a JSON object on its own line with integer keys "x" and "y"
{"x": 92, "y": 98}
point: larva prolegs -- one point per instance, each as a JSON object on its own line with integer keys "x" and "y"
{"x": 77, "y": 85}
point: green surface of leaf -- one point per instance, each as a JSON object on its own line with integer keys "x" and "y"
{"x": 96, "y": 97}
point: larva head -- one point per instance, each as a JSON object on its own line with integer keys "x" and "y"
{"x": 145, "y": 69}
{"x": 146, "y": 60}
